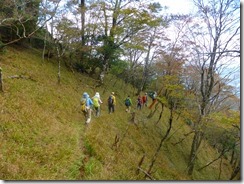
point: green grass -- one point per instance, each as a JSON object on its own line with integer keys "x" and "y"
{"x": 43, "y": 136}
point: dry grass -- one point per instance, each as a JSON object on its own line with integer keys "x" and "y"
{"x": 40, "y": 125}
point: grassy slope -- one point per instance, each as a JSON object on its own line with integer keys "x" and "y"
{"x": 40, "y": 126}
{"x": 43, "y": 136}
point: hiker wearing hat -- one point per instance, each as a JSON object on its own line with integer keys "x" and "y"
{"x": 96, "y": 104}
{"x": 111, "y": 103}
{"x": 86, "y": 106}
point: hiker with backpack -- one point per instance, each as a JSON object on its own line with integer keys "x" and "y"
{"x": 96, "y": 104}
{"x": 128, "y": 104}
{"x": 139, "y": 102}
{"x": 144, "y": 100}
{"x": 111, "y": 103}
{"x": 153, "y": 95}
{"x": 86, "y": 106}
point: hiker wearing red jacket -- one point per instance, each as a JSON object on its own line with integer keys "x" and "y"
{"x": 144, "y": 100}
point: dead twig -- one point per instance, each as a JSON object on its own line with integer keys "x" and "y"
{"x": 148, "y": 175}
{"x": 236, "y": 126}
{"x": 133, "y": 120}
{"x": 21, "y": 77}
{"x": 219, "y": 157}
{"x": 182, "y": 139}
{"x": 140, "y": 163}
{"x": 133, "y": 115}
{"x": 116, "y": 141}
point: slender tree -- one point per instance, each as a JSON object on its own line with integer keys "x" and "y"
{"x": 1, "y": 80}
{"x": 220, "y": 28}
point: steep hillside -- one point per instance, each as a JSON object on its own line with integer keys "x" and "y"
{"x": 41, "y": 127}
{"x": 43, "y": 135}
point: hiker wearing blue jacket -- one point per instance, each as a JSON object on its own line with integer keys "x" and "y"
{"x": 88, "y": 108}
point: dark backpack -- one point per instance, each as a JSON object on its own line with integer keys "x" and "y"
{"x": 139, "y": 101}
{"x": 151, "y": 94}
{"x": 110, "y": 100}
{"x": 127, "y": 102}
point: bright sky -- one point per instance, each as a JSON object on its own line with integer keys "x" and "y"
{"x": 178, "y": 6}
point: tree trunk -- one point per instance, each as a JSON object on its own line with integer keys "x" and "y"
{"x": 235, "y": 172}
{"x": 161, "y": 143}
{"x": 161, "y": 113}
{"x": 45, "y": 38}
{"x": 1, "y": 80}
{"x": 194, "y": 147}
{"x": 232, "y": 157}
{"x": 146, "y": 65}
{"x": 82, "y": 9}
{"x": 44, "y": 46}
{"x": 82, "y": 5}
{"x": 59, "y": 71}
{"x": 192, "y": 155}
{"x": 59, "y": 64}
{"x": 220, "y": 168}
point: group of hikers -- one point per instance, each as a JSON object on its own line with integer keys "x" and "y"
{"x": 88, "y": 105}
{"x": 141, "y": 102}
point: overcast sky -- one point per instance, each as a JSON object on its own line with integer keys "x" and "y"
{"x": 178, "y": 6}
{"x": 187, "y": 6}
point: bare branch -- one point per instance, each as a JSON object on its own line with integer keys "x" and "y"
{"x": 148, "y": 175}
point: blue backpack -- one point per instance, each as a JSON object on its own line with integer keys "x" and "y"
{"x": 127, "y": 102}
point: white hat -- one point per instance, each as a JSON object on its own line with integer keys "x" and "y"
{"x": 97, "y": 95}
{"x": 112, "y": 93}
